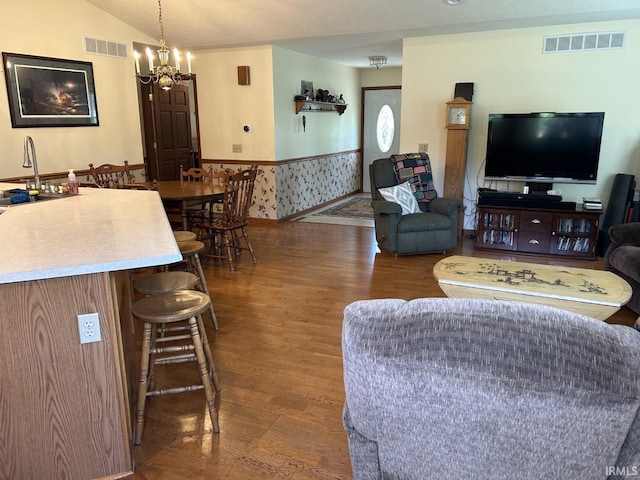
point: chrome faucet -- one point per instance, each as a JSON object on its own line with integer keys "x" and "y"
{"x": 28, "y": 144}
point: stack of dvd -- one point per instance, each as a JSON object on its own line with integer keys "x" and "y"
{"x": 591, "y": 203}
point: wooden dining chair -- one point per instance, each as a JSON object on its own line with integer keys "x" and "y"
{"x": 108, "y": 175}
{"x": 199, "y": 213}
{"x": 225, "y": 229}
{"x": 195, "y": 174}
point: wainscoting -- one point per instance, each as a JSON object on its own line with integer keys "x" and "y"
{"x": 287, "y": 187}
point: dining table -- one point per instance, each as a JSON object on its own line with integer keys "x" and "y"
{"x": 182, "y": 195}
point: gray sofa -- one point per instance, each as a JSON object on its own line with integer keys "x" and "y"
{"x": 481, "y": 389}
{"x": 433, "y": 230}
{"x": 622, "y": 257}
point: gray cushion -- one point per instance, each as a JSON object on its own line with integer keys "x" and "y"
{"x": 482, "y": 389}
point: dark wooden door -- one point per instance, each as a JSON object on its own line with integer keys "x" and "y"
{"x": 168, "y": 137}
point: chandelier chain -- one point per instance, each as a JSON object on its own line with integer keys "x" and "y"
{"x": 160, "y": 21}
{"x": 164, "y": 75}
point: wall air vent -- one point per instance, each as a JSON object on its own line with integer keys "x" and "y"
{"x": 584, "y": 42}
{"x": 105, "y": 47}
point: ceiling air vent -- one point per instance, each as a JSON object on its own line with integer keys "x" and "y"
{"x": 582, "y": 42}
{"x": 105, "y": 47}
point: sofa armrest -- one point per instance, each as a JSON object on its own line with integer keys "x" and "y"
{"x": 625, "y": 234}
{"x": 385, "y": 207}
{"x": 444, "y": 206}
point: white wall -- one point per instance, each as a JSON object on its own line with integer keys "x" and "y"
{"x": 54, "y": 29}
{"x": 385, "y": 76}
{"x": 511, "y": 75}
{"x": 326, "y": 132}
{"x": 225, "y": 107}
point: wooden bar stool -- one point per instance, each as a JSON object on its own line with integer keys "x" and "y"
{"x": 164, "y": 282}
{"x": 190, "y": 251}
{"x": 163, "y": 309}
{"x": 184, "y": 235}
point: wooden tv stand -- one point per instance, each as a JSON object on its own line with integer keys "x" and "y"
{"x": 566, "y": 233}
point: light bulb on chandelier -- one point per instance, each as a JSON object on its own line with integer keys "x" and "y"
{"x": 164, "y": 74}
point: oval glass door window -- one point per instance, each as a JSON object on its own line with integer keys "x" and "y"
{"x": 385, "y": 128}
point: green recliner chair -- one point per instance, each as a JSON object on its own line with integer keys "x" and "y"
{"x": 434, "y": 229}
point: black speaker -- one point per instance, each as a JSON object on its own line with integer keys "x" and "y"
{"x": 619, "y": 201}
{"x": 464, "y": 90}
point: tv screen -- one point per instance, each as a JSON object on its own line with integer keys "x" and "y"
{"x": 544, "y": 147}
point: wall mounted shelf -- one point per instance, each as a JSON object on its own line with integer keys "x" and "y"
{"x": 312, "y": 106}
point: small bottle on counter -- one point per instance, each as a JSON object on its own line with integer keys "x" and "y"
{"x": 73, "y": 183}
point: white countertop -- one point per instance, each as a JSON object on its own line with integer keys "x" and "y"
{"x": 99, "y": 230}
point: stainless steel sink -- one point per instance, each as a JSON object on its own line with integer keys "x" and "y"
{"x": 5, "y": 197}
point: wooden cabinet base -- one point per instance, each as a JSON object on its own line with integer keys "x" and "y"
{"x": 566, "y": 233}
{"x": 64, "y": 409}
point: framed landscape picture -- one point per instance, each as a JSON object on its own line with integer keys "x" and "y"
{"x": 49, "y": 92}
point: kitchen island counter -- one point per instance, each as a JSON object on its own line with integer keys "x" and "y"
{"x": 99, "y": 230}
{"x": 65, "y": 405}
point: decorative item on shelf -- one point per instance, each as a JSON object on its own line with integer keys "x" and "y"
{"x": 322, "y": 102}
{"x": 164, "y": 74}
{"x": 322, "y": 95}
{"x": 377, "y": 61}
{"x": 306, "y": 89}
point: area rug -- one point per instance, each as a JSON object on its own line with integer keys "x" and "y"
{"x": 351, "y": 211}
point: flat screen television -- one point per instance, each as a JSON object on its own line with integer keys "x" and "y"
{"x": 544, "y": 147}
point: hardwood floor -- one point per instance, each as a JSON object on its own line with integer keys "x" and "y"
{"x": 278, "y": 355}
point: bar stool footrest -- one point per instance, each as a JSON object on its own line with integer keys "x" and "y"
{"x": 165, "y": 391}
{"x": 186, "y": 357}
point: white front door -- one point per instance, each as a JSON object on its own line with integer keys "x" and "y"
{"x": 381, "y": 128}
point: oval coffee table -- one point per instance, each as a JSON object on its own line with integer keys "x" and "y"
{"x": 595, "y": 293}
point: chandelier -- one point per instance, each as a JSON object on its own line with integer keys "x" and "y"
{"x": 377, "y": 61}
{"x": 164, "y": 74}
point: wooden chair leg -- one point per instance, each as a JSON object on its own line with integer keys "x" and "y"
{"x": 205, "y": 290}
{"x": 249, "y": 247}
{"x": 227, "y": 246}
{"x": 204, "y": 373}
{"x": 151, "y": 378}
{"x": 143, "y": 384}
{"x": 207, "y": 352}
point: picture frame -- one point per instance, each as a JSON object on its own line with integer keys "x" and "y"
{"x": 306, "y": 89}
{"x": 49, "y": 92}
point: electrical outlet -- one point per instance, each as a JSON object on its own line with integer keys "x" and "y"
{"x": 237, "y": 148}
{"x": 423, "y": 147}
{"x": 89, "y": 328}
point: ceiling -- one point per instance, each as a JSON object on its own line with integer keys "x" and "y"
{"x": 347, "y": 32}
